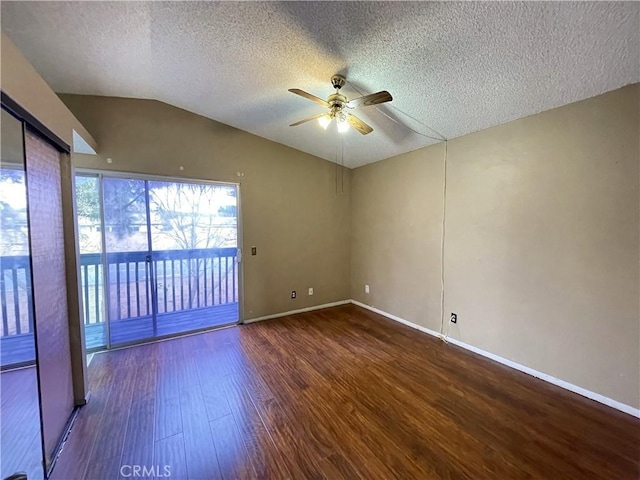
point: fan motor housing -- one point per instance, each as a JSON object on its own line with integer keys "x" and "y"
{"x": 337, "y": 100}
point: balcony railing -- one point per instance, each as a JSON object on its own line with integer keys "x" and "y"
{"x": 183, "y": 280}
{"x": 15, "y": 295}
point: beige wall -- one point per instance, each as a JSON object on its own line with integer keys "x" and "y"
{"x": 542, "y": 241}
{"x": 290, "y": 208}
{"x": 21, "y": 82}
{"x": 396, "y": 233}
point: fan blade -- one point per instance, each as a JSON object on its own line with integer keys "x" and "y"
{"x": 309, "y": 119}
{"x": 373, "y": 99}
{"x": 358, "y": 124}
{"x": 313, "y": 98}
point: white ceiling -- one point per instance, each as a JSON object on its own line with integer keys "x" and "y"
{"x": 454, "y": 67}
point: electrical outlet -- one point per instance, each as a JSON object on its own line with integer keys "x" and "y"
{"x": 310, "y": 290}
{"x": 293, "y": 294}
{"x": 366, "y": 289}
{"x": 454, "y": 318}
{"x": 254, "y": 250}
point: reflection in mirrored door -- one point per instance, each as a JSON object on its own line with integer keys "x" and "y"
{"x": 48, "y": 271}
{"x": 20, "y": 437}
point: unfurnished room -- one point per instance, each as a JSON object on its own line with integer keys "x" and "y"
{"x": 319, "y": 240}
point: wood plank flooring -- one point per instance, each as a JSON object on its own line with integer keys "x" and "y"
{"x": 20, "y": 440}
{"x": 340, "y": 393}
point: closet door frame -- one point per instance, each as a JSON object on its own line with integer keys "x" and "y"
{"x": 74, "y": 307}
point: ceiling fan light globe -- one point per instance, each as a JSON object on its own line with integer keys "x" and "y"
{"x": 343, "y": 127}
{"x": 324, "y": 121}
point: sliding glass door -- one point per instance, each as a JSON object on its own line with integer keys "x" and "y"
{"x": 130, "y": 294}
{"x": 170, "y": 262}
{"x": 194, "y": 238}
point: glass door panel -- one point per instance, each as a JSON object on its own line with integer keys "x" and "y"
{"x": 194, "y": 238}
{"x": 87, "y": 190}
{"x": 130, "y": 293}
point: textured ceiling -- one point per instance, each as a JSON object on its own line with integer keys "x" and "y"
{"x": 451, "y": 67}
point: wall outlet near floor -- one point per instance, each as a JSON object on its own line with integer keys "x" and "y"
{"x": 366, "y": 289}
{"x": 454, "y": 318}
{"x": 310, "y": 290}
{"x": 293, "y": 294}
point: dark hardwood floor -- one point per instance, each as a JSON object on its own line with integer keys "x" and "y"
{"x": 20, "y": 440}
{"x": 336, "y": 393}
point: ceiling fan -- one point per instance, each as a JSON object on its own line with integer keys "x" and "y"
{"x": 338, "y": 106}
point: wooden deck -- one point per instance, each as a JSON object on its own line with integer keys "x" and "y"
{"x": 16, "y": 350}
{"x": 341, "y": 393}
{"x": 140, "y": 328}
{"x": 20, "y": 349}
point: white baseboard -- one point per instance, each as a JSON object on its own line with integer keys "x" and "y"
{"x": 300, "y": 310}
{"x": 398, "y": 319}
{"x": 505, "y": 361}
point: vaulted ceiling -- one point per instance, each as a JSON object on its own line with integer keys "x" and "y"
{"x": 452, "y": 67}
